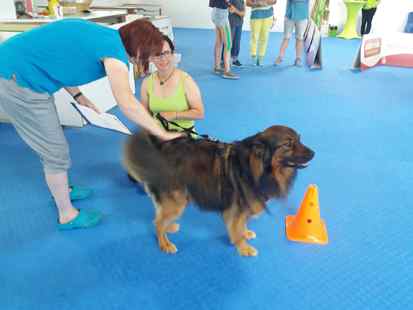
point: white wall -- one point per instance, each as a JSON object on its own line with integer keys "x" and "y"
{"x": 7, "y": 9}
{"x": 96, "y": 2}
{"x": 338, "y": 13}
{"x": 197, "y": 14}
{"x": 391, "y": 15}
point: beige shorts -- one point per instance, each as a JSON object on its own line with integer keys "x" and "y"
{"x": 298, "y": 25}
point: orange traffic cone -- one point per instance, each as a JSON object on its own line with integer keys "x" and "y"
{"x": 307, "y": 226}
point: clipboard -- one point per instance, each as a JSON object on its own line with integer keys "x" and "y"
{"x": 102, "y": 120}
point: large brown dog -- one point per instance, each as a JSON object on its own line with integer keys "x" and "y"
{"x": 235, "y": 179}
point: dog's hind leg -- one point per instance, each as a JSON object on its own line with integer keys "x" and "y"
{"x": 236, "y": 225}
{"x": 168, "y": 209}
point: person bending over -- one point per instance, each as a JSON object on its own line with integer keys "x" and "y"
{"x": 66, "y": 54}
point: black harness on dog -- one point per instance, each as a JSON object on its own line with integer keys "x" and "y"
{"x": 190, "y": 132}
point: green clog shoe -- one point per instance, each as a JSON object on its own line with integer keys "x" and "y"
{"x": 79, "y": 193}
{"x": 85, "y": 219}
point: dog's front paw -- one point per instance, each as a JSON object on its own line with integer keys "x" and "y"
{"x": 244, "y": 249}
{"x": 173, "y": 228}
{"x": 249, "y": 234}
{"x": 167, "y": 246}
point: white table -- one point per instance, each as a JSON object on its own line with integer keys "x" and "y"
{"x": 22, "y": 24}
{"x": 146, "y": 9}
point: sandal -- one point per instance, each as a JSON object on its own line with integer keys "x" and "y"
{"x": 218, "y": 71}
{"x": 230, "y": 76}
{"x": 297, "y": 62}
{"x": 278, "y": 60}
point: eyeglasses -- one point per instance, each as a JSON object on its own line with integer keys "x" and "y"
{"x": 164, "y": 54}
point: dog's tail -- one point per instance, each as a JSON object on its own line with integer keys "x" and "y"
{"x": 143, "y": 161}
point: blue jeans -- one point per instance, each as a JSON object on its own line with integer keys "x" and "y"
{"x": 236, "y": 32}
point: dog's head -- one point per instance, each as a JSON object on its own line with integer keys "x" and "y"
{"x": 274, "y": 156}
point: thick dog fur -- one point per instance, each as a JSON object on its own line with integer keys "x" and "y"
{"x": 235, "y": 179}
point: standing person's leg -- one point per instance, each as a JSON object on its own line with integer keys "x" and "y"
{"x": 215, "y": 17}
{"x": 236, "y": 44}
{"x": 300, "y": 27}
{"x": 288, "y": 30}
{"x": 255, "y": 30}
{"x": 223, "y": 47}
{"x": 266, "y": 24}
{"x": 258, "y": 29}
{"x": 59, "y": 187}
{"x": 222, "y": 57}
{"x": 35, "y": 119}
{"x": 218, "y": 50}
{"x": 370, "y": 16}
{"x": 363, "y": 22}
{"x": 226, "y": 34}
{"x": 227, "y": 40}
{"x": 233, "y": 43}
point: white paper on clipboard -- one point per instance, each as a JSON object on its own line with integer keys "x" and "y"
{"x": 104, "y": 120}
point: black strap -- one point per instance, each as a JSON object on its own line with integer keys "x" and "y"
{"x": 189, "y": 131}
{"x": 75, "y": 96}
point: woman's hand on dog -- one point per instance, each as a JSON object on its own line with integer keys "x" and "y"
{"x": 168, "y": 135}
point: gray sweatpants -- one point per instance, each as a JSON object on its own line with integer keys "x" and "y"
{"x": 36, "y": 121}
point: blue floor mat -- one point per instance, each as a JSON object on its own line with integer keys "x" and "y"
{"x": 359, "y": 125}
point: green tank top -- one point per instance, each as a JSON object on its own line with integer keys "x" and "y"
{"x": 371, "y": 4}
{"x": 174, "y": 103}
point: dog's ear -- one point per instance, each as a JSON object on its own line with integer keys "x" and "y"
{"x": 256, "y": 159}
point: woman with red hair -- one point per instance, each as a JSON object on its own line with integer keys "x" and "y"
{"x": 66, "y": 54}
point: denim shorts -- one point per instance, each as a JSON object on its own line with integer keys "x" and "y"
{"x": 220, "y": 17}
{"x": 299, "y": 25}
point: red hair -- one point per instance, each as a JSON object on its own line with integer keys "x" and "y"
{"x": 141, "y": 36}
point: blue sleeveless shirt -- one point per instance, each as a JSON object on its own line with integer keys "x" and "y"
{"x": 65, "y": 53}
